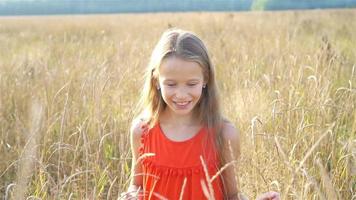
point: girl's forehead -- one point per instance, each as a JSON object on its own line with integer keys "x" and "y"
{"x": 177, "y": 68}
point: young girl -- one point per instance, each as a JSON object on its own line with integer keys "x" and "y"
{"x": 180, "y": 140}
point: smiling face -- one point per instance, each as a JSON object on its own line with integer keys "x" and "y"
{"x": 181, "y": 84}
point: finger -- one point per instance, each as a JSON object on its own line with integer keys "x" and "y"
{"x": 277, "y": 197}
{"x": 274, "y": 195}
{"x": 269, "y": 196}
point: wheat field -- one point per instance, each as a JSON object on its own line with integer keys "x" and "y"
{"x": 69, "y": 87}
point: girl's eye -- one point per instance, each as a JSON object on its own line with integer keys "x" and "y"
{"x": 192, "y": 84}
{"x": 171, "y": 84}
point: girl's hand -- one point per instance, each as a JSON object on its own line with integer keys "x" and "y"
{"x": 269, "y": 196}
{"x": 132, "y": 193}
{"x": 128, "y": 195}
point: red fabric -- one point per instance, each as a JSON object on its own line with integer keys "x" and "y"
{"x": 164, "y": 173}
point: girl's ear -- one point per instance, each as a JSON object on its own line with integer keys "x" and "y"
{"x": 157, "y": 85}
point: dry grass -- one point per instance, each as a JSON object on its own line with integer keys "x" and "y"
{"x": 286, "y": 78}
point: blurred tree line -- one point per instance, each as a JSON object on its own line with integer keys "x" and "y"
{"x": 300, "y": 4}
{"x": 39, "y": 7}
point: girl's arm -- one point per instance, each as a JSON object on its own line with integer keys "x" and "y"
{"x": 136, "y": 131}
{"x": 230, "y": 152}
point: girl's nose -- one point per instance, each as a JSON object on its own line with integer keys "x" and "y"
{"x": 181, "y": 93}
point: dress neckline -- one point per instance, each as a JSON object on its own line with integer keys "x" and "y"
{"x": 197, "y": 134}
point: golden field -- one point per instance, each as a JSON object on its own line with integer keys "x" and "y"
{"x": 69, "y": 87}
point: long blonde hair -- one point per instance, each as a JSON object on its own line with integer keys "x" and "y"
{"x": 185, "y": 45}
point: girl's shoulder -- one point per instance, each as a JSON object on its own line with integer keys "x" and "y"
{"x": 231, "y": 137}
{"x": 230, "y": 131}
{"x": 138, "y": 126}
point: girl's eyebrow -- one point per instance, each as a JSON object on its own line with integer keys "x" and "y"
{"x": 168, "y": 80}
{"x": 190, "y": 80}
{"x": 193, "y": 79}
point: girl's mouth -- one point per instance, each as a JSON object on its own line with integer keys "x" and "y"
{"x": 182, "y": 105}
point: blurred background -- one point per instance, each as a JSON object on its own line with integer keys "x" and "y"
{"x": 44, "y": 7}
{"x": 71, "y": 73}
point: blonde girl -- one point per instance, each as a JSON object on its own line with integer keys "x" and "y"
{"x": 180, "y": 140}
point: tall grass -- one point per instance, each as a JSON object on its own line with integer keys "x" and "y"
{"x": 69, "y": 86}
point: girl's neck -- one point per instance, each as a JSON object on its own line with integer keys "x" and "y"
{"x": 173, "y": 119}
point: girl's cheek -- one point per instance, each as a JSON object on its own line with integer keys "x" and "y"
{"x": 197, "y": 90}
{"x": 167, "y": 91}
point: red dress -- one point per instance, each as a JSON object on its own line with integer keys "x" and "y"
{"x": 173, "y": 162}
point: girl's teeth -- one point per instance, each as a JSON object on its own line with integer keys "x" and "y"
{"x": 182, "y": 104}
